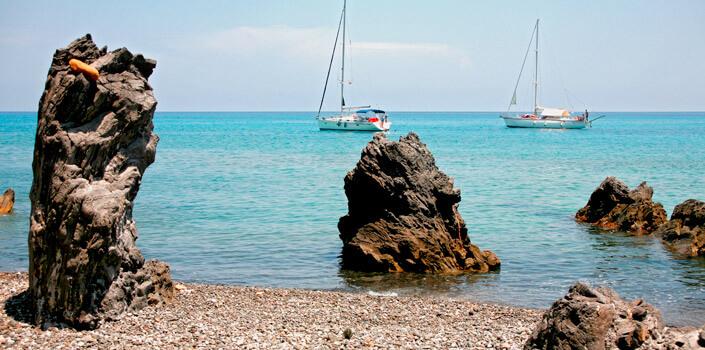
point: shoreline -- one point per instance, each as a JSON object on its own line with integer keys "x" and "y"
{"x": 221, "y": 316}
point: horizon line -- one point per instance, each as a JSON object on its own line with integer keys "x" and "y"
{"x": 392, "y": 111}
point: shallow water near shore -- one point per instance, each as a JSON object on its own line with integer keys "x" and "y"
{"x": 254, "y": 199}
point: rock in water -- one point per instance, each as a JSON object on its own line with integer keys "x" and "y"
{"x": 597, "y": 318}
{"x": 686, "y": 229}
{"x": 7, "y": 201}
{"x": 613, "y": 206}
{"x": 403, "y": 214}
{"x": 94, "y": 141}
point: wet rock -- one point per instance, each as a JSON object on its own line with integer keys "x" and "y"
{"x": 403, "y": 214}
{"x": 613, "y": 206}
{"x": 94, "y": 142}
{"x": 597, "y": 318}
{"x": 686, "y": 229}
{"x": 7, "y": 201}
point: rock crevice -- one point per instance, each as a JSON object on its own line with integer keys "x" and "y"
{"x": 94, "y": 142}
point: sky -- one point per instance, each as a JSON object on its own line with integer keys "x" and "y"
{"x": 404, "y": 55}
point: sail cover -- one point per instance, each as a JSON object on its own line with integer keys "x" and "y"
{"x": 553, "y": 112}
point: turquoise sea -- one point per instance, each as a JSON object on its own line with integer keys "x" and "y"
{"x": 254, "y": 199}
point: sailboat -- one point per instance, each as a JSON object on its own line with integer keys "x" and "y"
{"x": 542, "y": 117}
{"x": 361, "y": 118}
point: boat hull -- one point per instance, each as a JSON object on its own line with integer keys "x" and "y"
{"x": 545, "y": 123}
{"x": 344, "y": 125}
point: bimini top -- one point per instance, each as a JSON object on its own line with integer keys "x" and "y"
{"x": 369, "y": 110}
{"x": 553, "y": 112}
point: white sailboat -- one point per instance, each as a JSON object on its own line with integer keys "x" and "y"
{"x": 363, "y": 118}
{"x": 541, "y": 117}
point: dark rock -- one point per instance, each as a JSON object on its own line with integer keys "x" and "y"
{"x": 7, "y": 201}
{"x": 347, "y": 333}
{"x": 94, "y": 142}
{"x": 606, "y": 197}
{"x": 144, "y": 65}
{"x": 597, "y": 318}
{"x": 403, "y": 214}
{"x": 686, "y": 229}
{"x": 612, "y": 206}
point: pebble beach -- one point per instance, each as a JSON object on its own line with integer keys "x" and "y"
{"x": 227, "y": 317}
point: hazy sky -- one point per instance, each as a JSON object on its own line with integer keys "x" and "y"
{"x": 405, "y": 54}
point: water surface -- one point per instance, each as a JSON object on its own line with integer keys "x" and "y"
{"x": 254, "y": 198}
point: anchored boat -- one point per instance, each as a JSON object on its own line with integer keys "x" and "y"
{"x": 547, "y": 118}
{"x": 357, "y": 119}
{"x": 542, "y": 117}
{"x": 350, "y": 118}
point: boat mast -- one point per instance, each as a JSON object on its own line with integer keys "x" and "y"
{"x": 330, "y": 65}
{"x": 342, "y": 65}
{"x": 536, "y": 71}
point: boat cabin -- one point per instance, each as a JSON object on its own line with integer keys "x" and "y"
{"x": 371, "y": 115}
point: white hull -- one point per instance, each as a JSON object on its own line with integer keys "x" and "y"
{"x": 518, "y": 122}
{"x": 352, "y": 125}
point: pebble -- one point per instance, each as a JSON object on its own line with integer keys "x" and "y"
{"x": 213, "y": 316}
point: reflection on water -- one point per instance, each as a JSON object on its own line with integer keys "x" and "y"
{"x": 452, "y": 285}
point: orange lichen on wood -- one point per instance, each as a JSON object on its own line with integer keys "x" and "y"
{"x": 87, "y": 70}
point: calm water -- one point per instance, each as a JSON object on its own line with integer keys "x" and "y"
{"x": 254, "y": 198}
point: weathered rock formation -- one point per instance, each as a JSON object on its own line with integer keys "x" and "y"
{"x": 94, "y": 141}
{"x": 597, "y": 318}
{"x": 686, "y": 229}
{"x": 613, "y": 206}
{"x": 403, "y": 214}
{"x": 7, "y": 201}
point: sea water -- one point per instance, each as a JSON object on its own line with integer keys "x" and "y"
{"x": 254, "y": 199}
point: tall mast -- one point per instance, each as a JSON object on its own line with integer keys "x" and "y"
{"x": 536, "y": 71}
{"x": 342, "y": 65}
{"x": 330, "y": 65}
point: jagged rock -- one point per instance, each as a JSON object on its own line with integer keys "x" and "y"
{"x": 597, "y": 318}
{"x": 686, "y": 229}
{"x": 613, "y": 206}
{"x": 7, "y": 201}
{"x": 94, "y": 141}
{"x": 403, "y": 214}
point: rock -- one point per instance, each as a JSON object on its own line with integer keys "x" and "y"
{"x": 7, "y": 201}
{"x": 347, "y": 333}
{"x": 686, "y": 229}
{"x": 613, "y": 206}
{"x": 94, "y": 142}
{"x": 597, "y": 318}
{"x": 403, "y": 214}
{"x": 685, "y": 338}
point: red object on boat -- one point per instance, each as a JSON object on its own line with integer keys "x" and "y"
{"x": 373, "y": 120}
